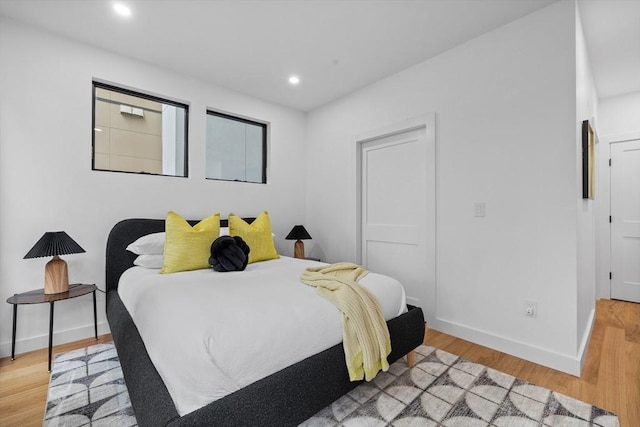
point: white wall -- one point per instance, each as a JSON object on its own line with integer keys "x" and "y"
{"x": 46, "y": 181}
{"x": 506, "y": 134}
{"x": 586, "y": 109}
{"x": 619, "y": 115}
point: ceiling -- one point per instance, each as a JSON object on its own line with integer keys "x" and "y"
{"x": 334, "y": 46}
{"x": 612, "y": 33}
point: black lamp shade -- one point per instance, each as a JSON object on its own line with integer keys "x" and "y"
{"x": 54, "y": 243}
{"x": 298, "y": 232}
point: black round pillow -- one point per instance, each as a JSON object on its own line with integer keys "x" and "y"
{"x": 229, "y": 254}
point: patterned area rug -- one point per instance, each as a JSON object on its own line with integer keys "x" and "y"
{"x": 87, "y": 389}
{"x": 446, "y": 390}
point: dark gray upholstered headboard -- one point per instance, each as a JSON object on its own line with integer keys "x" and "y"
{"x": 118, "y": 259}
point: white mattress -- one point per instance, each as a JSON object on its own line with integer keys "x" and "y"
{"x": 210, "y": 334}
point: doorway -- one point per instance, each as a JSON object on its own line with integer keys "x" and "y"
{"x": 625, "y": 220}
{"x": 396, "y": 207}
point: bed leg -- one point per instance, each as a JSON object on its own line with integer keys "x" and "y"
{"x": 411, "y": 359}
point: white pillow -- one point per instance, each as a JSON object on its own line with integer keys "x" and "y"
{"x": 150, "y": 244}
{"x": 153, "y": 244}
{"x": 149, "y": 261}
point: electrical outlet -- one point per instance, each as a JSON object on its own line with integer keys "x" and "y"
{"x": 531, "y": 309}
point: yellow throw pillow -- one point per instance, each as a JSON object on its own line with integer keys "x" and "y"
{"x": 257, "y": 235}
{"x": 188, "y": 248}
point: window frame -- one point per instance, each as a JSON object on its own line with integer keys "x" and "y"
{"x": 95, "y": 84}
{"x": 265, "y": 129}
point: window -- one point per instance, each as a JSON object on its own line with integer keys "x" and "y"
{"x": 236, "y": 149}
{"x": 138, "y": 133}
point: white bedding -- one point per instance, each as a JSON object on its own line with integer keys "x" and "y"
{"x": 210, "y": 334}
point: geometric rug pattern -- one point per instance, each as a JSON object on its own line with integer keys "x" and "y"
{"x": 446, "y": 390}
{"x": 87, "y": 389}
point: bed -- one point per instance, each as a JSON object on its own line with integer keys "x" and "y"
{"x": 286, "y": 397}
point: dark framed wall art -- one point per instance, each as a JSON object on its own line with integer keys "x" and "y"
{"x": 588, "y": 160}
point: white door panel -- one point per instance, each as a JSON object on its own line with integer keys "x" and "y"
{"x": 625, "y": 225}
{"x": 394, "y": 209}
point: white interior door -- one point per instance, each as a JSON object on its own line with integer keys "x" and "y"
{"x": 394, "y": 217}
{"x": 625, "y": 220}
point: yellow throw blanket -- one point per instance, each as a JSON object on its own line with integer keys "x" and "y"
{"x": 365, "y": 335}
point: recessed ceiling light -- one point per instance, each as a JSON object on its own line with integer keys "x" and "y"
{"x": 294, "y": 80}
{"x": 121, "y": 9}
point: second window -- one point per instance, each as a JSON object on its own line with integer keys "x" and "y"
{"x": 236, "y": 149}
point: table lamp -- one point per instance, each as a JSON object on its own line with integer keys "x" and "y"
{"x": 55, "y": 243}
{"x": 299, "y": 234}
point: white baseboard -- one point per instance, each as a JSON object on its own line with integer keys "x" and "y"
{"x": 586, "y": 339}
{"x": 571, "y": 364}
{"x": 24, "y": 345}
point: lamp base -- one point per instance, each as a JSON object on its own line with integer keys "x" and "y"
{"x": 298, "y": 249}
{"x": 56, "y": 277}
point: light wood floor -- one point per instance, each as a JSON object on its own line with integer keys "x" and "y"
{"x": 610, "y": 379}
